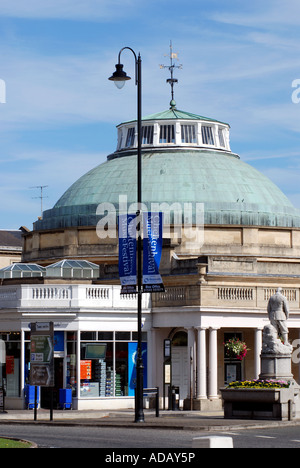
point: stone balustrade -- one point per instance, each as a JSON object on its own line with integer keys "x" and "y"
{"x": 67, "y": 297}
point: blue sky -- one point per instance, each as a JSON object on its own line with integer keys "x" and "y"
{"x": 239, "y": 62}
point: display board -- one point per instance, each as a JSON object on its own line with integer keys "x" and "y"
{"x": 42, "y": 354}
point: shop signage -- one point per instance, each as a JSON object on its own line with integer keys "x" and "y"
{"x": 152, "y": 249}
{"x": 42, "y": 354}
{"x": 127, "y": 253}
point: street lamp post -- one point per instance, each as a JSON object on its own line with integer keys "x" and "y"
{"x": 120, "y": 77}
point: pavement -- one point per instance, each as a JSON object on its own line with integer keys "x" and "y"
{"x": 168, "y": 420}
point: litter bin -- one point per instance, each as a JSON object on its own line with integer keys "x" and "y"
{"x": 174, "y": 398}
{"x": 65, "y": 398}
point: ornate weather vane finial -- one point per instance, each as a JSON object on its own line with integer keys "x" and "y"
{"x": 173, "y": 56}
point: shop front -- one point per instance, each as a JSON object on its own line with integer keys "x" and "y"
{"x": 106, "y": 365}
{"x": 95, "y": 342}
{"x": 95, "y": 345}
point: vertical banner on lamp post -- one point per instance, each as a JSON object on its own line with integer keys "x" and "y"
{"x": 127, "y": 253}
{"x": 152, "y": 250}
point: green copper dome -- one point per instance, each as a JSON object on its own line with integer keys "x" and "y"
{"x": 233, "y": 193}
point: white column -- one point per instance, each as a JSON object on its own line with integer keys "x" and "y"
{"x": 191, "y": 344}
{"x": 151, "y": 351}
{"x": 213, "y": 365}
{"x": 297, "y": 355}
{"x": 78, "y": 364}
{"x": 257, "y": 352}
{"x": 22, "y": 356}
{"x": 201, "y": 364}
{"x": 299, "y": 360}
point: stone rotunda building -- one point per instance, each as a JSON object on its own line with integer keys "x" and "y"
{"x": 218, "y": 274}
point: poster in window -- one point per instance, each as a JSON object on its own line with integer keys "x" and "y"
{"x": 10, "y": 365}
{"x": 86, "y": 370}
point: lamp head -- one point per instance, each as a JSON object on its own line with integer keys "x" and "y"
{"x": 119, "y": 76}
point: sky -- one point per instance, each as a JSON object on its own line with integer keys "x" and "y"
{"x": 58, "y": 111}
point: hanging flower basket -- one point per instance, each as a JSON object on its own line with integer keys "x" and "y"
{"x": 236, "y": 349}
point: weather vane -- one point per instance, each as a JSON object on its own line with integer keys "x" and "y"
{"x": 173, "y": 56}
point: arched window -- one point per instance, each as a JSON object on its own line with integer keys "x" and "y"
{"x": 180, "y": 339}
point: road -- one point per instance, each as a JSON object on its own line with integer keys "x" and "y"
{"x": 97, "y": 437}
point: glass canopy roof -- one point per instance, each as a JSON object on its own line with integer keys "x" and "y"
{"x": 73, "y": 269}
{"x": 62, "y": 269}
{"x": 22, "y": 270}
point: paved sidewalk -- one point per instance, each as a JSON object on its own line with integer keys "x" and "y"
{"x": 168, "y": 420}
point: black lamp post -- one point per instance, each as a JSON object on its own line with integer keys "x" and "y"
{"x": 120, "y": 77}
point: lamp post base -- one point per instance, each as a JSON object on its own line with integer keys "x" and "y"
{"x": 139, "y": 392}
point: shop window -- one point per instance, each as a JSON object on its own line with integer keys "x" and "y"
{"x": 71, "y": 377}
{"x": 121, "y": 375}
{"x": 96, "y": 370}
{"x": 106, "y": 366}
{"x": 135, "y": 336}
{"x": 10, "y": 369}
{"x": 27, "y": 361}
{"x": 105, "y": 336}
{"x": 87, "y": 336}
{"x": 71, "y": 336}
{"x": 122, "y": 336}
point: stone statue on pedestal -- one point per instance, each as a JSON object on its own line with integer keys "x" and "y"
{"x": 272, "y": 344}
{"x": 283, "y": 402}
{"x": 276, "y": 351}
{"x": 278, "y": 311}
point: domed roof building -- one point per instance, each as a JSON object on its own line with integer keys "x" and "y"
{"x": 231, "y": 238}
{"x": 186, "y": 159}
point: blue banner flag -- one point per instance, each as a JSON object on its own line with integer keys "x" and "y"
{"x": 152, "y": 250}
{"x": 132, "y": 357}
{"x": 127, "y": 253}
